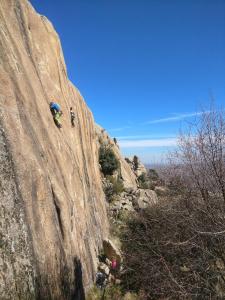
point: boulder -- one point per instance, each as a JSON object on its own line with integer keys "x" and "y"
{"x": 108, "y": 262}
{"x": 111, "y": 251}
{"x": 146, "y": 198}
{"x": 136, "y": 165}
{"x": 116, "y": 205}
{"x": 141, "y": 169}
{"x": 103, "y": 268}
{"x": 125, "y": 202}
{"x": 129, "y": 190}
{"x": 128, "y": 207}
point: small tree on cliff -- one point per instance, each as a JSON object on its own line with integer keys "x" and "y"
{"x": 135, "y": 162}
{"x": 108, "y": 161}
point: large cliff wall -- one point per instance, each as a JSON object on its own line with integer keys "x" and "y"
{"x": 52, "y": 207}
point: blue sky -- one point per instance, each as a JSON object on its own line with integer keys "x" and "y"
{"x": 144, "y": 67}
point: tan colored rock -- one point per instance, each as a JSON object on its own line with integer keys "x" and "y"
{"x": 52, "y": 208}
{"x": 128, "y": 176}
{"x": 116, "y": 206}
{"x": 136, "y": 165}
{"x": 141, "y": 169}
{"x": 108, "y": 262}
{"x": 111, "y": 251}
{"x": 118, "y": 281}
{"x": 128, "y": 207}
{"x": 146, "y": 198}
{"x": 104, "y": 268}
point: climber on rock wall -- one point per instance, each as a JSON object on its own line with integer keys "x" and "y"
{"x": 56, "y": 113}
{"x": 100, "y": 280}
{"x": 72, "y": 117}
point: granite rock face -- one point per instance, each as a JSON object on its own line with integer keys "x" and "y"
{"x": 52, "y": 206}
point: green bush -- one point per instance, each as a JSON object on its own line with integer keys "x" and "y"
{"x": 108, "y": 161}
{"x": 143, "y": 181}
{"x": 118, "y": 186}
{"x": 114, "y": 187}
{"x": 135, "y": 161}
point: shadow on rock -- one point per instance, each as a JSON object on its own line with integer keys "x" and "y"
{"x": 79, "y": 293}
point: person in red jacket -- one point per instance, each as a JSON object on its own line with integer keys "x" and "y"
{"x": 113, "y": 270}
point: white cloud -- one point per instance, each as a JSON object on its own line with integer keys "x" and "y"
{"x": 168, "y": 142}
{"x": 175, "y": 118}
{"x": 118, "y": 129}
{"x": 145, "y": 136}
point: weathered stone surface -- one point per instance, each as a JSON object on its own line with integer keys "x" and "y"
{"x": 15, "y": 247}
{"x": 128, "y": 207}
{"x": 141, "y": 169}
{"x": 146, "y": 198}
{"x": 53, "y": 213}
{"x": 136, "y": 165}
{"x": 104, "y": 268}
{"x": 130, "y": 190}
{"x": 116, "y": 205}
{"x": 108, "y": 262}
{"x": 127, "y": 175}
{"x": 125, "y": 202}
{"x": 142, "y": 198}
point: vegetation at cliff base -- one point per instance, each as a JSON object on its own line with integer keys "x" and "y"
{"x": 172, "y": 252}
{"x": 143, "y": 181}
{"x": 113, "y": 187}
{"x": 176, "y": 249}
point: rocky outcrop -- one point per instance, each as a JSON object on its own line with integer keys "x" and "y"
{"x": 146, "y": 198}
{"x": 126, "y": 173}
{"x": 52, "y": 206}
{"x": 136, "y": 165}
{"x": 133, "y": 200}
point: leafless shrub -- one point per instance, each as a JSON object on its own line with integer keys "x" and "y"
{"x": 170, "y": 252}
{"x": 176, "y": 250}
{"x": 202, "y": 156}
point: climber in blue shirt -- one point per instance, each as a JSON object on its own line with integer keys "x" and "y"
{"x": 54, "y": 107}
{"x": 56, "y": 113}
